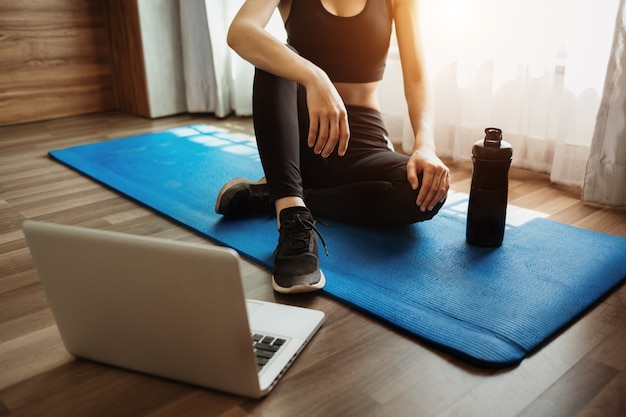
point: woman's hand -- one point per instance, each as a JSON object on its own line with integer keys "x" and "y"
{"x": 435, "y": 177}
{"x": 247, "y": 36}
{"x": 328, "y": 128}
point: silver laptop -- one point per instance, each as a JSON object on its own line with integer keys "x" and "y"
{"x": 166, "y": 308}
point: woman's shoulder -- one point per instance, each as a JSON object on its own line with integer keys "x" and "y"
{"x": 400, "y": 7}
{"x": 398, "y": 3}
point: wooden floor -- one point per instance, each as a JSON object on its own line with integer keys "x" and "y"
{"x": 355, "y": 366}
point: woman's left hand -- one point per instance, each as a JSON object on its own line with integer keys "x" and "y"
{"x": 435, "y": 177}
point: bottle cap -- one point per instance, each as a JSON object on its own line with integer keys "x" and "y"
{"x": 493, "y": 148}
{"x": 493, "y": 137}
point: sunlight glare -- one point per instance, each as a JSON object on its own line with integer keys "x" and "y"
{"x": 456, "y": 10}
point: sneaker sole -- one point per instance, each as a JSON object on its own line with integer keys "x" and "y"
{"x": 298, "y": 289}
{"x": 232, "y": 183}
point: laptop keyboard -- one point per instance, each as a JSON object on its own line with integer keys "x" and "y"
{"x": 265, "y": 347}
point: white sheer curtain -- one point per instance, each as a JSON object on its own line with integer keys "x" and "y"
{"x": 533, "y": 68}
{"x": 605, "y": 181}
{"x": 217, "y": 79}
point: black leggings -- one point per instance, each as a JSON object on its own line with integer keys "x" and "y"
{"x": 366, "y": 186}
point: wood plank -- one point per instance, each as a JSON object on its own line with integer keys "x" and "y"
{"x": 127, "y": 57}
{"x": 55, "y": 60}
{"x": 567, "y": 396}
{"x": 31, "y": 354}
{"x": 611, "y": 401}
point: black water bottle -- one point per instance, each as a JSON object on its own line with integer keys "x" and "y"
{"x": 486, "y": 212}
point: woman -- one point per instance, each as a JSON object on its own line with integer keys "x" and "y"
{"x": 321, "y": 139}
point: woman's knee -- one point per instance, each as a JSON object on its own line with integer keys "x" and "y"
{"x": 405, "y": 208}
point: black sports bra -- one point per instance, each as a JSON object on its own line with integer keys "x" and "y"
{"x": 350, "y": 49}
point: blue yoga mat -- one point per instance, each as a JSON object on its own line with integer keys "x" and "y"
{"x": 489, "y": 307}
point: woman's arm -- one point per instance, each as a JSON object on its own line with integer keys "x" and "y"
{"x": 247, "y": 36}
{"x": 423, "y": 159}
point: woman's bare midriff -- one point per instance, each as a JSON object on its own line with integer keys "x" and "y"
{"x": 359, "y": 94}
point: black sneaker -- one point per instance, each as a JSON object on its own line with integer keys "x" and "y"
{"x": 243, "y": 198}
{"x": 296, "y": 261}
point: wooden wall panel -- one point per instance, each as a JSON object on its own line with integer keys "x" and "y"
{"x": 54, "y": 59}
{"x": 127, "y": 57}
